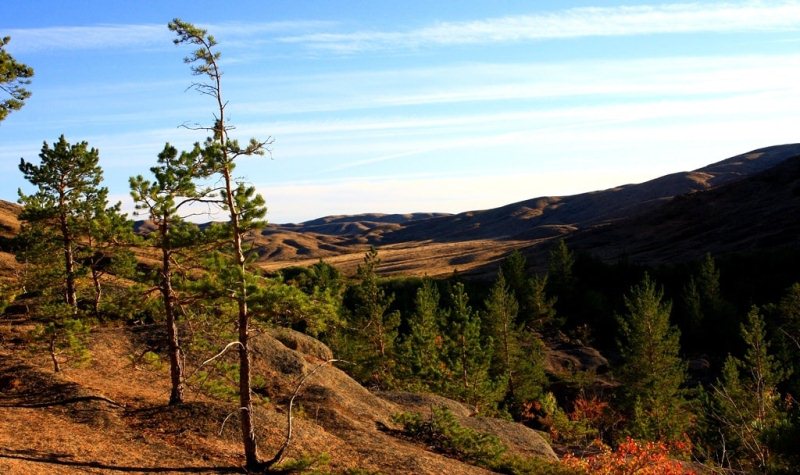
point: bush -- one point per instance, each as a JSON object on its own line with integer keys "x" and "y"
{"x": 444, "y": 433}
{"x": 634, "y": 457}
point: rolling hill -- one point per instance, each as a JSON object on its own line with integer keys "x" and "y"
{"x": 744, "y": 202}
{"x": 472, "y": 241}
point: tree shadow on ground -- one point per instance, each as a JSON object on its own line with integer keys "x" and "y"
{"x": 67, "y": 460}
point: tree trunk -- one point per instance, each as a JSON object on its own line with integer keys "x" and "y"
{"x": 56, "y": 366}
{"x": 98, "y": 289}
{"x": 167, "y": 293}
{"x": 245, "y": 394}
{"x": 70, "y": 295}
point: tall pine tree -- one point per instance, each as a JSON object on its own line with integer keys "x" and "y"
{"x": 652, "y": 372}
{"x": 244, "y": 207}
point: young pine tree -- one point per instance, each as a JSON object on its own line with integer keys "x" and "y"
{"x": 107, "y": 232}
{"x": 514, "y": 269}
{"x": 560, "y": 268}
{"x": 787, "y": 335}
{"x": 163, "y": 200}
{"x": 704, "y": 306}
{"x": 541, "y": 311}
{"x": 421, "y": 351}
{"x": 375, "y": 324}
{"x": 652, "y": 371}
{"x": 469, "y": 355}
{"x": 745, "y": 400}
{"x": 517, "y": 354}
{"x": 68, "y": 179}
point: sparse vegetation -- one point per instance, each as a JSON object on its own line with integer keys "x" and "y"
{"x": 709, "y": 382}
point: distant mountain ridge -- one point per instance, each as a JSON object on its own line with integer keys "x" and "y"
{"x": 529, "y": 223}
{"x": 743, "y": 202}
{"x": 546, "y": 216}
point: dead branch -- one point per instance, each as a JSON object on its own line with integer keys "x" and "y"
{"x": 222, "y": 427}
{"x": 278, "y": 458}
{"x": 218, "y": 355}
{"x": 71, "y": 400}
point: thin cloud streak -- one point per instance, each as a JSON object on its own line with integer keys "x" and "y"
{"x": 114, "y": 36}
{"x": 488, "y": 82}
{"x": 570, "y": 23}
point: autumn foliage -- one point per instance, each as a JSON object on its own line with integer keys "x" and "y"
{"x": 633, "y": 457}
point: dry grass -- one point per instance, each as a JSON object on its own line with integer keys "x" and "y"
{"x": 415, "y": 258}
{"x": 109, "y": 416}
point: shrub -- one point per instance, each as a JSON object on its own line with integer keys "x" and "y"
{"x": 635, "y": 457}
{"x": 444, "y": 433}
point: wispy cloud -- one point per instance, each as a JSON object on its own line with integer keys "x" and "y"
{"x": 570, "y": 23}
{"x": 87, "y": 37}
{"x": 110, "y": 36}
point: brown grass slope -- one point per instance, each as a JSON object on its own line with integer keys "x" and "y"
{"x": 9, "y": 227}
{"x": 474, "y": 241}
{"x": 553, "y": 216}
{"x": 109, "y": 416}
{"x": 756, "y": 213}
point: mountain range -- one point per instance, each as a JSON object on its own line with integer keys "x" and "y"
{"x": 746, "y": 202}
{"x": 743, "y": 203}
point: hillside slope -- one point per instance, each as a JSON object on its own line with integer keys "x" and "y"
{"x": 474, "y": 241}
{"x": 552, "y": 216}
{"x": 109, "y": 415}
{"x": 757, "y": 213}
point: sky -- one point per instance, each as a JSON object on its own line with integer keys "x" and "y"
{"x": 412, "y": 106}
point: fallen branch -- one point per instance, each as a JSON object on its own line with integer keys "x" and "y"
{"x": 71, "y": 400}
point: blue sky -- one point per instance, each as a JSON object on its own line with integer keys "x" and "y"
{"x": 413, "y": 106}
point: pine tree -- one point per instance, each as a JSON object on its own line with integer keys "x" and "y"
{"x": 14, "y": 76}
{"x": 517, "y": 354}
{"x": 560, "y": 268}
{"x": 163, "y": 200}
{"x": 68, "y": 179}
{"x": 514, "y": 271}
{"x": 541, "y": 307}
{"x": 746, "y": 398}
{"x": 107, "y": 232}
{"x": 421, "y": 351}
{"x": 468, "y": 355}
{"x": 244, "y": 207}
{"x": 375, "y": 323}
{"x": 786, "y": 337}
{"x": 500, "y": 321}
{"x": 652, "y": 371}
{"x": 703, "y": 303}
